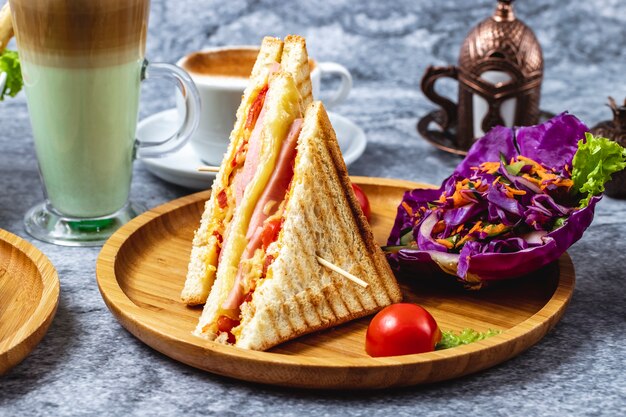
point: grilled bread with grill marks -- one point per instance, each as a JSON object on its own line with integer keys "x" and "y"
{"x": 295, "y": 61}
{"x": 322, "y": 217}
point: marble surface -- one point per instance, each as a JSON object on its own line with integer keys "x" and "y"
{"x": 88, "y": 364}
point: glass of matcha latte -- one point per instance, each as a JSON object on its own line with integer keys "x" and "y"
{"x": 82, "y": 63}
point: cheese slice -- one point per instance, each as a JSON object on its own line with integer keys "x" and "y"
{"x": 282, "y": 107}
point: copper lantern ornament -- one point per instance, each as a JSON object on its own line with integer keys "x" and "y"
{"x": 499, "y": 73}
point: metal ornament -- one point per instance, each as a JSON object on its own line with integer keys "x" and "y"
{"x": 500, "y": 70}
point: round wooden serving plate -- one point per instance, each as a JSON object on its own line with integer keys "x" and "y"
{"x": 141, "y": 271}
{"x": 29, "y": 294}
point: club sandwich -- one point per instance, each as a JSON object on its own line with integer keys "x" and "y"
{"x": 286, "y": 203}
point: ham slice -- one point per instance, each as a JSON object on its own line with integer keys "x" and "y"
{"x": 274, "y": 191}
{"x": 251, "y": 163}
{"x": 278, "y": 182}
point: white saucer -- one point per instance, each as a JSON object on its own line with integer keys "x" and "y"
{"x": 181, "y": 167}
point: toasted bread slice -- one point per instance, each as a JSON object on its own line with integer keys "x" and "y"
{"x": 295, "y": 61}
{"x": 322, "y": 217}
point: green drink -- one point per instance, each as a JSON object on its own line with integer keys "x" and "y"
{"x": 83, "y": 123}
{"x": 83, "y": 62}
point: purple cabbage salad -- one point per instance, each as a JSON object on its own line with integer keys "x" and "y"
{"x": 518, "y": 200}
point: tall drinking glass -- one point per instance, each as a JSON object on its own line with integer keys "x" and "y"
{"x": 82, "y": 62}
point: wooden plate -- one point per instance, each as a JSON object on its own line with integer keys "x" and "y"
{"x": 141, "y": 271}
{"x": 29, "y": 294}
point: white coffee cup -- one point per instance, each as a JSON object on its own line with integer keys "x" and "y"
{"x": 221, "y": 75}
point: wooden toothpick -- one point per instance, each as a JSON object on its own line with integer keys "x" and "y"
{"x": 342, "y": 272}
{"x": 208, "y": 168}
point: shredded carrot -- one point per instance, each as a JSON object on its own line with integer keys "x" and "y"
{"x": 445, "y": 243}
{"x": 564, "y": 182}
{"x": 490, "y": 167}
{"x": 494, "y": 228}
{"x": 475, "y": 227}
{"x": 458, "y": 200}
{"x": 439, "y": 227}
{"x": 530, "y": 161}
{"x": 478, "y": 185}
{"x": 546, "y": 176}
{"x": 408, "y": 208}
{"x": 464, "y": 240}
{"x": 534, "y": 165}
{"x": 513, "y": 191}
{"x": 531, "y": 179}
{"x": 468, "y": 236}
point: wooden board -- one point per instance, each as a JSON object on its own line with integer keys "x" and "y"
{"x": 141, "y": 271}
{"x": 29, "y": 294}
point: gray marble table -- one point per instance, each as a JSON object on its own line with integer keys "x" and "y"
{"x": 88, "y": 364}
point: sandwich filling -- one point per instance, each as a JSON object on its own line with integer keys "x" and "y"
{"x": 258, "y": 188}
{"x": 266, "y": 217}
{"x": 225, "y": 199}
{"x": 262, "y": 235}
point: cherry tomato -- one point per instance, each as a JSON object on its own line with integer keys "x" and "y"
{"x": 363, "y": 201}
{"x": 226, "y": 324}
{"x": 401, "y": 329}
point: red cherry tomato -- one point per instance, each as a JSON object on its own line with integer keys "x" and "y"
{"x": 226, "y": 324}
{"x": 401, "y": 329}
{"x": 363, "y": 201}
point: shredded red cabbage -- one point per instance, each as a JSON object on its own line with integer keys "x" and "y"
{"x": 507, "y": 209}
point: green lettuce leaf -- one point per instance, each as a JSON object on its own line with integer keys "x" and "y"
{"x": 594, "y": 163}
{"x": 450, "y": 339}
{"x": 10, "y": 64}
